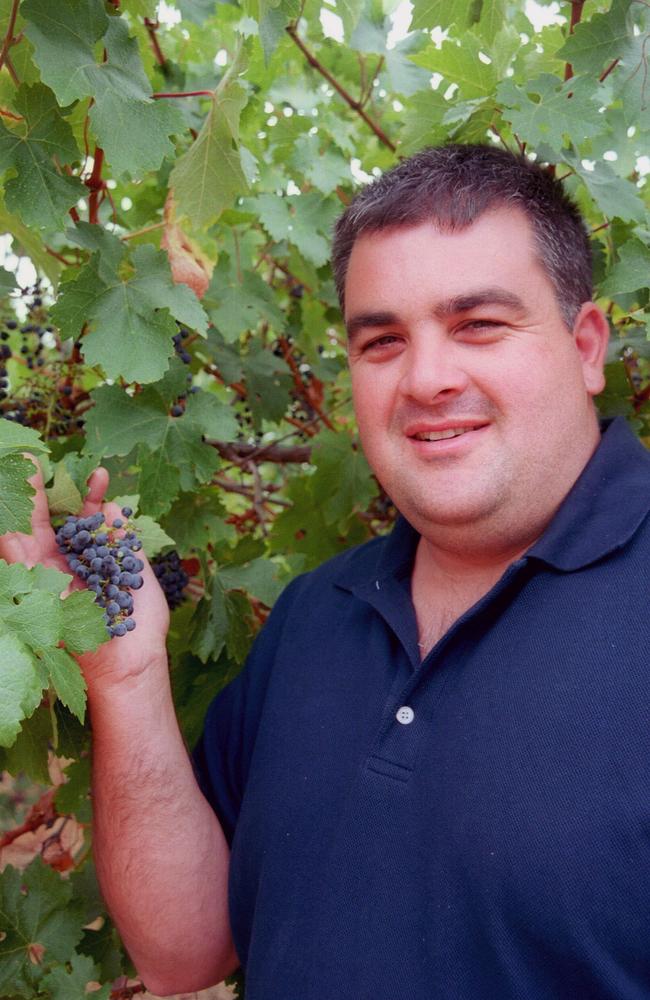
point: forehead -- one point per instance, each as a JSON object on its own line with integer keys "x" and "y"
{"x": 496, "y": 250}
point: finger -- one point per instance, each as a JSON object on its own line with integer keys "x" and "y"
{"x": 41, "y": 512}
{"x": 97, "y": 486}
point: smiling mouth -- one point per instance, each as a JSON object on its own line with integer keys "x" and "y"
{"x": 451, "y": 432}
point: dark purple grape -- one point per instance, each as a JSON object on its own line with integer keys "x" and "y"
{"x": 105, "y": 563}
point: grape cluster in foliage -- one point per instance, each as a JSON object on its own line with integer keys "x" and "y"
{"x": 106, "y": 563}
{"x": 43, "y": 390}
{"x": 180, "y": 346}
{"x": 171, "y": 576}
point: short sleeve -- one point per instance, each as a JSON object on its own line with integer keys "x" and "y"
{"x": 221, "y": 758}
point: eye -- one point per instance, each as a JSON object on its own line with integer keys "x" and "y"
{"x": 481, "y": 329}
{"x": 383, "y": 342}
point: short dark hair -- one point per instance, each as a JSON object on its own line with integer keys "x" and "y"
{"x": 452, "y": 186}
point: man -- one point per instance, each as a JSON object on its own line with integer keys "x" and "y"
{"x": 433, "y": 771}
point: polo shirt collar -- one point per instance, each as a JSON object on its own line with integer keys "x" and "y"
{"x": 601, "y": 513}
{"x": 606, "y": 506}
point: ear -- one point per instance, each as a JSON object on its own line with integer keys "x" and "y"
{"x": 591, "y": 336}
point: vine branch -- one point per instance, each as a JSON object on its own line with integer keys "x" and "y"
{"x": 240, "y": 453}
{"x": 9, "y": 35}
{"x": 340, "y": 90}
{"x": 576, "y": 14}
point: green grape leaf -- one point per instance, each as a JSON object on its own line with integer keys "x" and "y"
{"x": 15, "y": 493}
{"x": 326, "y": 169}
{"x": 208, "y": 178}
{"x": 118, "y": 422}
{"x": 50, "y": 579}
{"x": 66, "y": 679}
{"x": 15, "y": 579}
{"x": 132, "y": 320}
{"x": 442, "y": 13}
{"x": 405, "y": 77}
{"x": 64, "y": 39}
{"x": 554, "y": 113}
{"x": 349, "y": 11}
{"x": 597, "y": 41}
{"x": 64, "y": 984}
{"x": 268, "y": 383}
{"x": 154, "y": 539}
{"x": 82, "y": 622}
{"x": 343, "y": 481}
{"x": 22, "y": 679}
{"x": 492, "y": 19}
{"x": 15, "y": 437}
{"x": 175, "y": 454}
{"x": 40, "y": 924}
{"x": 423, "y": 122}
{"x": 235, "y": 306}
{"x": 311, "y": 225}
{"x": 260, "y": 578}
{"x": 216, "y": 419}
{"x": 36, "y": 620}
{"x": 460, "y": 64}
{"x": 63, "y": 497}
{"x": 631, "y": 272}
{"x": 209, "y": 623}
{"x": 31, "y": 242}
{"x": 72, "y": 797}
{"x": 39, "y": 192}
{"x": 159, "y": 482}
{"x": 196, "y": 520}
{"x": 615, "y": 196}
{"x": 28, "y": 755}
{"x": 239, "y": 635}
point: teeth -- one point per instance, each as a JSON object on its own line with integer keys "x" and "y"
{"x": 441, "y": 435}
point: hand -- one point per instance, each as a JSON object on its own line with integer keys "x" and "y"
{"x": 123, "y": 657}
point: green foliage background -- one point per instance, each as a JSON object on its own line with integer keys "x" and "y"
{"x": 119, "y": 191}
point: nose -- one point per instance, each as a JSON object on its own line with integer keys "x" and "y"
{"x": 433, "y": 368}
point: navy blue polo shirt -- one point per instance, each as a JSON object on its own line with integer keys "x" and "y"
{"x": 491, "y": 841}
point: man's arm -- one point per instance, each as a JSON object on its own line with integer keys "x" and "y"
{"x": 160, "y": 852}
{"x": 161, "y": 856}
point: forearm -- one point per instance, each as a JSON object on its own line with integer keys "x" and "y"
{"x": 161, "y": 856}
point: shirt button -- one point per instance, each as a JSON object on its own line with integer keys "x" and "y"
{"x": 405, "y": 715}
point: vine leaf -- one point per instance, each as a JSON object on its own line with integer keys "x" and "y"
{"x": 64, "y": 984}
{"x": 34, "y": 620}
{"x": 599, "y": 40}
{"x": 38, "y": 192}
{"x": 64, "y": 36}
{"x": 630, "y": 271}
{"x": 131, "y": 319}
{"x": 616, "y": 197}
{"x": 545, "y": 111}
{"x": 39, "y": 923}
{"x": 15, "y": 493}
{"x": 22, "y": 679}
{"x": 208, "y": 178}
{"x": 172, "y": 451}
{"x": 235, "y": 306}
{"x": 460, "y": 64}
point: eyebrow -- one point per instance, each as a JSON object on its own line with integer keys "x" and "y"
{"x": 448, "y": 307}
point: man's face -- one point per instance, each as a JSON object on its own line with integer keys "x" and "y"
{"x": 473, "y": 399}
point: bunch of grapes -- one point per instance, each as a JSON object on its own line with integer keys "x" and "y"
{"x": 106, "y": 563}
{"x": 171, "y": 576}
{"x": 48, "y": 395}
